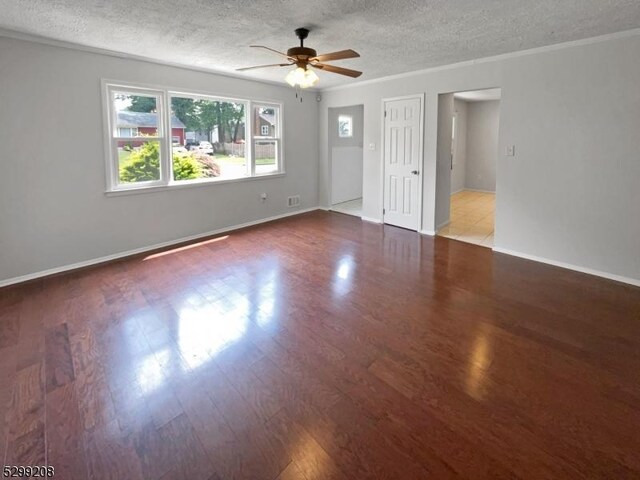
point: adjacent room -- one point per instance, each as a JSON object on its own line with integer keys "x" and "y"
{"x": 341, "y": 240}
{"x": 345, "y": 150}
{"x": 475, "y": 123}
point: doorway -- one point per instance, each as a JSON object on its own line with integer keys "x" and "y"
{"x": 470, "y": 187}
{"x": 346, "y": 155}
{"x": 402, "y": 146}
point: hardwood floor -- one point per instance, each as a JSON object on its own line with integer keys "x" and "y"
{"x": 322, "y": 347}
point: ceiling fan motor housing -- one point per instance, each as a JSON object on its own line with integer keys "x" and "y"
{"x": 301, "y": 53}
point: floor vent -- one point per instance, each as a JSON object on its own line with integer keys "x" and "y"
{"x": 293, "y": 201}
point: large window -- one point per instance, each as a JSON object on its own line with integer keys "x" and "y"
{"x": 163, "y": 138}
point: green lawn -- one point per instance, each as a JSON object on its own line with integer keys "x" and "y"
{"x": 123, "y": 156}
{"x": 241, "y": 160}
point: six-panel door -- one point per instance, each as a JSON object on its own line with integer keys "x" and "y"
{"x": 402, "y": 162}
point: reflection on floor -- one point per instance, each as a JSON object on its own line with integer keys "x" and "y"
{"x": 472, "y": 218}
{"x": 321, "y": 347}
{"x": 352, "y": 207}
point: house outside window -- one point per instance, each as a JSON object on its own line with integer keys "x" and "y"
{"x": 127, "y": 132}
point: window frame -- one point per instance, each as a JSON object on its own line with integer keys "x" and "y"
{"x": 164, "y": 95}
{"x": 112, "y": 139}
{"x": 276, "y": 138}
{"x": 213, "y": 98}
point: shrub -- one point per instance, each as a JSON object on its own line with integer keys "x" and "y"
{"x": 143, "y": 165}
{"x": 208, "y": 166}
{"x": 185, "y": 167}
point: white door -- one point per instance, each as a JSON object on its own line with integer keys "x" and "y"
{"x": 402, "y": 158}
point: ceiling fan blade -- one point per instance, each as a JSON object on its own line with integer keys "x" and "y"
{"x": 264, "y": 66}
{"x": 341, "y": 55}
{"x": 271, "y": 50}
{"x": 339, "y": 70}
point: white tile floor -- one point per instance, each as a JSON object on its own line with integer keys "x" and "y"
{"x": 472, "y": 218}
{"x": 352, "y": 207}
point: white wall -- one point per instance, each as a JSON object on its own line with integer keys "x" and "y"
{"x": 483, "y": 120}
{"x": 460, "y": 146}
{"x": 53, "y": 210}
{"x": 346, "y": 156}
{"x": 570, "y": 195}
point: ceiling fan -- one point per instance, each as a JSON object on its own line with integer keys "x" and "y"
{"x": 303, "y": 58}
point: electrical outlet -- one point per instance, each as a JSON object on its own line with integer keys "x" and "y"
{"x": 372, "y": 146}
{"x": 510, "y": 151}
{"x": 263, "y": 197}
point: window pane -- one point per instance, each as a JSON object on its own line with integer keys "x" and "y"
{"x": 208, "y": 138}
{"x": 266, "y": 155}
{"x": 138, "y": 161}
{"x": 345, "y": 126}
{"x": 265, "y": 121}
{"x": 136, "y": 115}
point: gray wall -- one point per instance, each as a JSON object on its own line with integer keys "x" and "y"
{"x": 53, "y": 210}
{"x": 346, "y": 155}
{"x": 460, "y": 146}
{"x": 443, "y": 185}
{"x": 482, "y": 145}
{"x": 570, "y": 195}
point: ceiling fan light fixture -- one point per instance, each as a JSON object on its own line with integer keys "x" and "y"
{"x": 304, "y": 78}
{"x": 302, "y": 58}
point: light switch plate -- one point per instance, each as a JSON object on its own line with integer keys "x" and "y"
{"x": 511, "y": 151}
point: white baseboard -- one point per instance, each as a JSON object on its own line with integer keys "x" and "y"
{"x": 431, "y": 233}
{"x": 372, "y": 220}
{"x": 458, "y": 191}
{"x": 610, "y": 276}
{"x": 442, "y": 225}
{"x": 326, "y": 209}
{"x": 135, "y": 251}
{"x": 478, "y": 190}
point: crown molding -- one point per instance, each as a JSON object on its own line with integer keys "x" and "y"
{"x": 28, "y": 37}
{"x": 494, "y": 58}
{"x": 17, "y": 35}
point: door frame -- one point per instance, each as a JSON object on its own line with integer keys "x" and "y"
{"x": 421, "y": 97}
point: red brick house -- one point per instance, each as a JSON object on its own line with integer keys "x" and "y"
{"x": 140, "y": 124}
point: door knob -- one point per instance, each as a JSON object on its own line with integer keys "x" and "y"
{"x": 415, "y": 172}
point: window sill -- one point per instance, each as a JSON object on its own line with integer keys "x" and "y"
{"x": 189, "y": 184}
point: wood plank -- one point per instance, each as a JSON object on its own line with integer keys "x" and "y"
{"x": 65, "y": 433}
{"x": 59, "y": 363}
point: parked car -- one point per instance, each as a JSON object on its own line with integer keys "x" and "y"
{"x": 204, "y": 147}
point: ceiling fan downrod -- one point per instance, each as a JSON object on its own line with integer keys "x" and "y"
{"x": 302, "y": 33}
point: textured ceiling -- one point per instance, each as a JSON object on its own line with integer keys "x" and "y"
{"x": 391, "y": 36}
